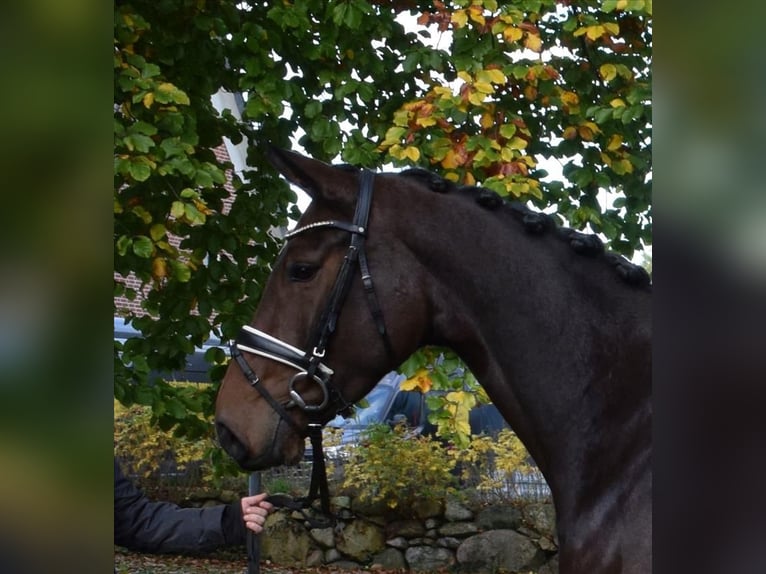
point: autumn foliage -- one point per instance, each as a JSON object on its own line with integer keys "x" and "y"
{"x": 480, "y": 91}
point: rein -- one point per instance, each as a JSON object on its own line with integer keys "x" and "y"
{"x": 309, "y": 364}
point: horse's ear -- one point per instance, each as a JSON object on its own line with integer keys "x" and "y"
{"x": 311, "y": 175}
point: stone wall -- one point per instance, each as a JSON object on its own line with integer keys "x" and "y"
{"x": 451, "y": 535}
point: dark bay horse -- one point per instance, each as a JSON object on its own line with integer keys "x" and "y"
{"x": 556, "y": 330}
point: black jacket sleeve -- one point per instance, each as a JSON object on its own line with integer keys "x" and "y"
{"x": 163, "y": 527}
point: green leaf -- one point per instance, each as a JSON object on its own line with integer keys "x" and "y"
{"x": 508, "y": 130}
{"x": 412, "y": 365}
{"x": 157, "y": 231}
{"x": 181, "y": 271}
{"x": 139, "y": 170}
{"x": 177, "y": 209}
{"x": 313, "y": 109}
{"x": 123, "y": 244}
{"x": 143, "y": 246}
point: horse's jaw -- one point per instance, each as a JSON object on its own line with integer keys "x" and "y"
{"x": 255, "y": 450}
{"x": 274, "y": 457}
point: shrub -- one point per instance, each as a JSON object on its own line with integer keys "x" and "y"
{"x": 401, "y": 470}
{"x": 487, "y": 461}
{"x": 150, "y": 450}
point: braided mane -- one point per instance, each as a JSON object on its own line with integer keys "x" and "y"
{"x": 538, "y": 223}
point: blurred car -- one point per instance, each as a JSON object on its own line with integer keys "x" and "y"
{"x": 388, "y": 404}
{"x": 196, "y": 368}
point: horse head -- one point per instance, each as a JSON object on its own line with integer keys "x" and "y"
{"x": 321, "y": 336}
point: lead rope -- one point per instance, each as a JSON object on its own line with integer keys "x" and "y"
{"x": 317, "y": 489}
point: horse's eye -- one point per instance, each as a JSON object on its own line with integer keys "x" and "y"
{"x": 301, "y": 271}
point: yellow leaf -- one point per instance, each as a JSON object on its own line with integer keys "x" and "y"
{"x": 622, "y": 166}
{"x": 426, "y": 121}
{"x": 606, "y": 159}
{"x": 420, "y": 381}
{"x": 477, "y": 98}
{"x": 412, "y": 153}
{"x": 401, "y": 118}
{"x": 451, "y": 160}
{"x": 608, "y": 72}
{"x": 393, "y": 136}
{"x": 463, "y": 426}
{"x": 487, "y": 121}
{"x": 570, "y": 132}
{"x": 442, "y": 91}
{"x": 494, "y": 75}
{"x": 452, "y": 176}
{"x": 595, "y": 32}
{"x": 465, "y": 76}
{"x": 469, "y": 179}
{"x": 475, "y": 13}
{"x": 614, "y": 142}
{"x": 459, "y": 18}
{"x": 517, "y": 143}
{"x": 612, "y": 28}
{"x": 570, "y": 98}
{"x": 588, "y": 130}
{"x": 202, "y": 207}
{"x": 617, "y": 103}
{"x": 484, "y": 87}
{"x": 148, "y": 100}
{"x": 159, "y": 268}
{"x": 512, "y": 34}
{"x": 533, "y": 42}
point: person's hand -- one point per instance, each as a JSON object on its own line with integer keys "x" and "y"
{"x": 255, "y": 509}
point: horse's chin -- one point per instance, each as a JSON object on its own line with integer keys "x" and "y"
{"x": 285, "y": 450}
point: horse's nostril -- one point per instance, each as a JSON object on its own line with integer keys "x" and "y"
{"x": 230, "y": 443}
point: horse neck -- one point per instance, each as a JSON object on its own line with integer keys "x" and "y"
{"x": 557, "y": 341}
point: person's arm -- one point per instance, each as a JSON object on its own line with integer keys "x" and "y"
{"x": 163, "y": 527}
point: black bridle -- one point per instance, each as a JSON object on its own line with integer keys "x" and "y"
{"x": 309, "y": 363}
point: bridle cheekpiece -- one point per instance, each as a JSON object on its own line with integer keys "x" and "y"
{"x": 309, "y": 364}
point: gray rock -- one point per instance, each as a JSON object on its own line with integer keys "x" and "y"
{"x": 389, "y": 559}
{"x": 458, "y": 529}
{"x": 315, "y": 558}
{"x": 361, "y": 540}
{"x": 325, "y": 537}
{"x": 503, "y": 550}
{"x": 398, "y": 542}
{"x": 448, "y": 542}
{"x": 332, "y": 555}
{"x": 499, "y": 517}
{"x": 427, "y": 508}
{"x": 431, "y": 523}
{"x": 422, "y": 542}
{"x": 541, "y": 517}
{"x": 454, "y": 511}
{"x": 284, "y": 541}
{"x": 405, "y": 528}
{"x": 428, "y": 559}
{"x": 340, "y": 502}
